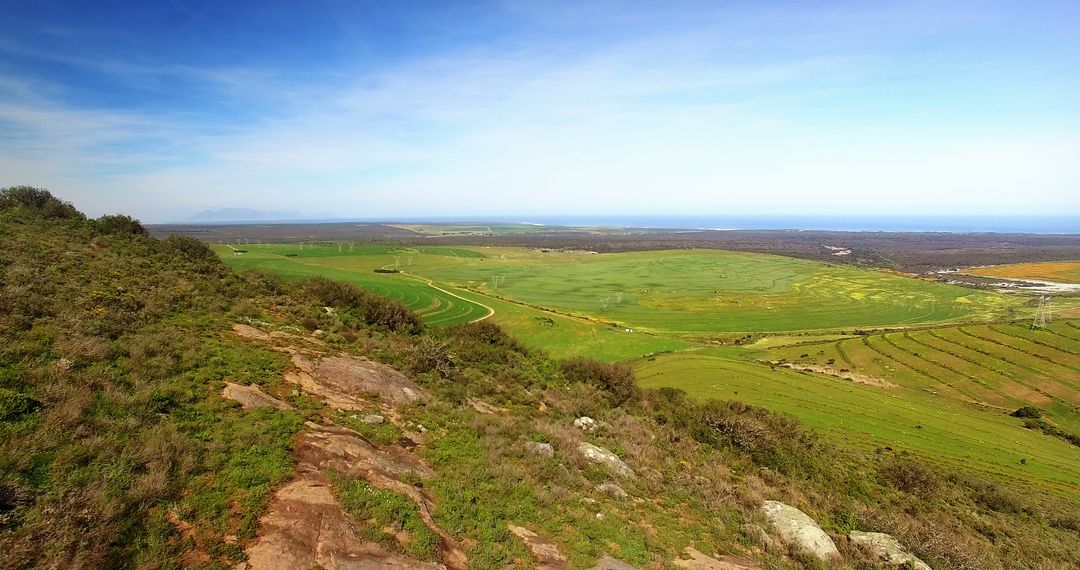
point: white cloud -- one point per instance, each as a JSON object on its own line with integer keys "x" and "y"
{"x": 663, "y": 123}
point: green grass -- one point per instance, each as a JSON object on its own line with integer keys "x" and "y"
{"x": 907, "y": 417}
{"x": 703, "y": 292}
{"x": 574, "y": 303}
{"x": 383, "y": 514}
{"x": 435, "y": 307}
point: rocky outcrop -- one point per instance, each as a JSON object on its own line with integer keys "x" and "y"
{"x": 342, "y": 378}
{"x": 799, "y": 530}
{"x": 606, "y": 458}
{"x": 585, "y": 423}
{"x": 252, "y": 397}
{"x": 305, "y": 527}
{"x": 886, "y": 548}
{"x": 700, "y": 561}
{"x": 546, "y": 553}
{"x": 484, "y": 407}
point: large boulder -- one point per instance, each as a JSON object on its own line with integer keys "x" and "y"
{"x": 798, "y": 529}
{"x": 606, "y": 458}
{"x": 886, "y": 548}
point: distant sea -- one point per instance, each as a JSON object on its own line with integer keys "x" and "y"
{"x": 1061, "y": 224}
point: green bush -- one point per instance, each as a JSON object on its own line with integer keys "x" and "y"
{"x": 355, "y": 302}
{"x": 38, "y": 200}
{"x": 14, "y": 405}
{"x": 119, "y": 224}
{"x": 1027, "y": 412}
{"x": 615, "y": 379}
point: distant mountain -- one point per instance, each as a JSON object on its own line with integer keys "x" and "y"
{"x": 244, "y": 215}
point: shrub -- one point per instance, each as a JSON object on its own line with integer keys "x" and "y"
{"x": 615, "y": 379}
{"x": 40, "y": 200}
{"x": 371, "y": 309}
{"x": 910, "y": 476}
{"x": 119, "y": 224}
{"x": 487, "y": 332}
{"x": 14, "y": 405}
{"x": 431, "y": 354}
{"x": 1027, "y": 412}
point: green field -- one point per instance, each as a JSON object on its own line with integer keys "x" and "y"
{"x": 707, "y": 292}
{"x": 953, "y": 366}
{"x": 436, "y": 306}
{"x": 628, "y": 304}
{"x": 941, "y": 406}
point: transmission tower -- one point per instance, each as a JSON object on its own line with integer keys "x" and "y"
{"x": 1043, "y": 316}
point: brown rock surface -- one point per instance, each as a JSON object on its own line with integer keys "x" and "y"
{"x": 546, "y": 553}
{"x": 701, "y": 561}
{"x": 252, "y": 397}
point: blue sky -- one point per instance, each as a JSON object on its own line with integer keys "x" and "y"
{"x": 395, "y": 109}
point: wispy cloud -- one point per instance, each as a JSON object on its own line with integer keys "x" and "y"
{"x": 675, "y": 119}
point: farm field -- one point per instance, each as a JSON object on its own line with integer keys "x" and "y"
{"x": 706, "y": 292}
{"x": 686, "y": 294}
{"x": 916, "y": 413}
{"x": 435, "y": 305}
{"x": 939, "y": 378}
{"x": 1058, "y": 271}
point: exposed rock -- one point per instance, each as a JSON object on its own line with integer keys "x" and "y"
{"x": 701, "y": 561}
{"x": 252, "y": 397}
{"x": 607, "y": 458}
{"x": 585, "y": 423}
{"x": 349, "y": 374}
{"x": 612, "y": 490}
{"x": 600, "y": 516}
{"x": 332, "y": 447}
{"x": 886, "y": 548}
{"x": 796, "y": 528}
{"x": 546, "y": 553}
{"x": 340, "y": 380}
{"x": 305, "y": 527}
{"x": 758, "y": 535}
{"x": 484, "y": 407}
{"x": 609, "y": 563}
{"x": 541, "y": 449}
{"x": 373, "y": 419}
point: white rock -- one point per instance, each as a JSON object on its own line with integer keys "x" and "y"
{"x": 607, "y": 458}
{"x": 886, "y": 548}
{"x": 585, "y": 423}
{"x": 373, "y": 419}
{"x": 795, "y": 527}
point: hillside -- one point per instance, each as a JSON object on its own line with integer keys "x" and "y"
{"x": 161, "y": 410}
